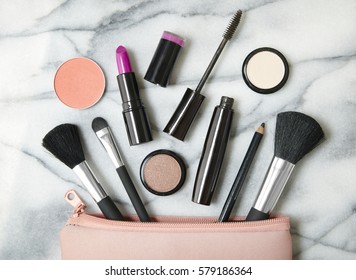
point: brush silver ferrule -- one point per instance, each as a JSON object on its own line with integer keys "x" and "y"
{"x": 89, "y": 181}
{"x": 107, "y": 140}
{"x": 276, "y": 178}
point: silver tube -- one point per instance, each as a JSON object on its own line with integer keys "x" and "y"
{"x": 107, "y": 140}
{"x": 277, "y": 176}
{"x": 89, "y": 181}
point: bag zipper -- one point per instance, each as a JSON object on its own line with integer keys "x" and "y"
{"x": 167, "y": 221}
{"x": 74, "y": 199}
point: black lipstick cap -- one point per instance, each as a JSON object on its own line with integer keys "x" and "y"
{"x": 164, "y": 59}
{"x": 213, "y": 152}
{"x": 136, "y": 121}
{"x": 184, "y": 115}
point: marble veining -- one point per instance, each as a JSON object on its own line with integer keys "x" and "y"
{"x": 318, "y": 38}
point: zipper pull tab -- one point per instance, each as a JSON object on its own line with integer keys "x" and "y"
{"x": 73, "y": 199}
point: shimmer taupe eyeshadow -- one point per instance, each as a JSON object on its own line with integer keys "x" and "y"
{"x": 163, "y": 172}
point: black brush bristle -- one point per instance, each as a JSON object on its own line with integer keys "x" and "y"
{"x": 296, "y": 135}
{"x": 98, "y": 124}
{"x": 231, "y": 28}
{"x": 64, "y": 143}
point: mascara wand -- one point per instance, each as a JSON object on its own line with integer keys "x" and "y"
{"x": 229, "y": 32}
{"x": 189, "y": 106}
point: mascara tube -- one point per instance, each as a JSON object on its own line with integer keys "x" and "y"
{"x": 213, "y": 152}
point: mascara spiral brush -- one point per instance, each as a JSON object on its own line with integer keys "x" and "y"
{"x": 188, "y": 107}
{"x": 229, "y": 32}
{"x": 64, "y": 143}
{"x": 296, "y": 135}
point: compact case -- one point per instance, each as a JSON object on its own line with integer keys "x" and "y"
{"x": 87, "y": 236}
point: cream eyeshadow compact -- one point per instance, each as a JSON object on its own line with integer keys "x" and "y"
{"x": 265, "y": 70}
{"x": 163, "y": 172}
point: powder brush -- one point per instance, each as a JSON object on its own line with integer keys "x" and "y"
{"x": 296, "y": 135}
{"x": 64, "y": 143}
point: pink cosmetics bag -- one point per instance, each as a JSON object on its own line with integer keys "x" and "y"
{"x": 87, "y": 236}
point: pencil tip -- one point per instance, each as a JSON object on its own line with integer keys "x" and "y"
{"x": 261, "y": 128}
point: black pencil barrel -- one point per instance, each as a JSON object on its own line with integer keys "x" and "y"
{"x": 240, "y": 177}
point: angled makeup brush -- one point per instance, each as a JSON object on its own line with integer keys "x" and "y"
{"x": 64, "y": 143}
{"x": 296, "y": 135}
{"x": 104, "y": 134}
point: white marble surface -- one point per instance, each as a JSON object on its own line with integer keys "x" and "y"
{"x": 318, "y": 39}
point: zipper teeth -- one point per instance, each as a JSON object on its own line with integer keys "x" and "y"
{"x": 179, "y": 222}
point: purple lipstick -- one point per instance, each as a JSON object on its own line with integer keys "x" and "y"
{"x": 136, "y": 121}
{"x": 123, "y": 60}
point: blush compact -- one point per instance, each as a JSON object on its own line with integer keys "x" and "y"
{"x": 163, "y": 172}
{"x": 79, "y": 83}
{"x": 265, "y": 70}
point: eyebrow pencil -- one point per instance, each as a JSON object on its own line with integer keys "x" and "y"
{"x": 189, "y": 106}
{"x": 241, "y": 175}
{"x": 296, "y": 135}
{"x": 64, "y": 143}
{"x": 104, "y": 134}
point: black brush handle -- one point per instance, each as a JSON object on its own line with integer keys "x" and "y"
{"x": 132, "y": 193}
{"x": 256, "y": 215}
{"x": 109, "y": 209}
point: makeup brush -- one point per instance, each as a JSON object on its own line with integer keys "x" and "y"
{"x": 188, "y": 107}
{"x": 296, "y": 135}
{"x": 104, "y": 134}
{"x": 64, "y": 143}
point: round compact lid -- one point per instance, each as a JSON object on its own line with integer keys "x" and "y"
{"x": 163, "y": 172}
{"x": 79, "y": 83}
{"x": 265, "y": 70}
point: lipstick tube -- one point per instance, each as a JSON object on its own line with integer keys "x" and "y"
{"x": 164, "y": 58}
{"x": 135, "y": 117}
{"x": 213, "y": 152}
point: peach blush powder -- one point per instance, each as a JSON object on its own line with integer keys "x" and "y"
{"x": 79, "y": 83}
{"x": 162, "y": 172}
